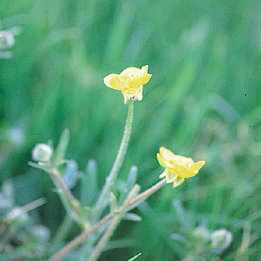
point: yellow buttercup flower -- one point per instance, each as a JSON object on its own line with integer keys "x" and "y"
{"x": 177, "y": 168}
{"x": 130, "y": 82}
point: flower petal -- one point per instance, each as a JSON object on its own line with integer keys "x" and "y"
{"x": 144, "y": 69}
{"x": 166, "y": 154}
{"x": 112, "y": 81}
{"x": 178, "y": 182}
{"x": 182, "y": 161}
{"x": 161, "y": 161}
{"x": 184, "y": 172}
{"x": 197, "y": 166}
{"x": 131, "y": 72}
{"x": 146, "y": 79}
{"x": 125, "y": 82}
{"x": 136, "y": 83}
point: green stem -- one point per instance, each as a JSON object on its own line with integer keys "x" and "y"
{"x": 115, "y": 221}
{"x": 19, "y": 211}
{"x": 116, "y": 166}
{"x": 66, "y": 192}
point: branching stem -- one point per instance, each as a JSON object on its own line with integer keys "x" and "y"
{"x": 138, "y": 199}
{"x": 115, "y": 221}
{"x": 56, "y": 176}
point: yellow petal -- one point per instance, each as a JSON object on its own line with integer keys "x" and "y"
{"x": 183, "y": 172}
{"x": 171, "y": 169}
{"x": 182, "y": 161}
{"x": 144, "y": 69}
{"x": 161, "y": 161}
{"x": 178, "y": 182}
{"x": 197, "y": 166}
{"x": 131, "y": 72}
{"x": 112, "y": 81}
{"x": 125, "y": 82}
{"x": 137, "y": 83}
{"x": 115, "y": 83}
{"x": 146, "y": 79}
{"x": 166, "y": 154}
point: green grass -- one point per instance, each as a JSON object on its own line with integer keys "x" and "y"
{"x": 204, "y": 57}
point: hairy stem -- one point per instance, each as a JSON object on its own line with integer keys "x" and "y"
{"x": 79, "y": 239}
{"x": 115, "y": 221}
{"x": 56, "y": 176}
{"x": 116, "y": 166}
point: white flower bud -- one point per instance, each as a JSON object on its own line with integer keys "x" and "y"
{"x": 201, "y": 233}
{"x": 221, "y": 238}
{"x": 6, "y": 39}
{"x": 42, "y": 152}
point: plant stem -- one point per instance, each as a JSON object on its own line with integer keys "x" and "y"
{"x": 116, "y": 220}
{"x": 116, "y": 166}
{"x": 19, "y": 211}
{"x": 56, "y": 175}
{"x": 80, "y": 238}
{"x": 144, "y": 195}
{"x": 103, "y": 221}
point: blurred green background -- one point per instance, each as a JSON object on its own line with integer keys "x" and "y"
{"x": 203, "y": 101}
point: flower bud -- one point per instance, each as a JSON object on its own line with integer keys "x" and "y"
{"x": 42, "y": 152}
{"x": 201, "y": 233}
{"x": 6, "y": 39}
{"x": 221, "y": 238}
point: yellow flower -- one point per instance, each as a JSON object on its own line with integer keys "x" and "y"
{"x": 177, "y": 168}
{"x": 130, "y": 82}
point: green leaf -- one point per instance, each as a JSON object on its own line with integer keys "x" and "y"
{"x": 132, "y": 177}
{"x": 62, "y": 147}
{"x": 89, "y": 183}
{"x": 125, "y": 187}
{"x": 132, "y": 217}
{"x": 71, "y": 174}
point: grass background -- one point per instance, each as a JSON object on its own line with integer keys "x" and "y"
{"x": 202, "y": 101}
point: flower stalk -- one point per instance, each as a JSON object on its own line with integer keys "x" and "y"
{"x": 60, "y": 183}
{"x": 116, "y": 166}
